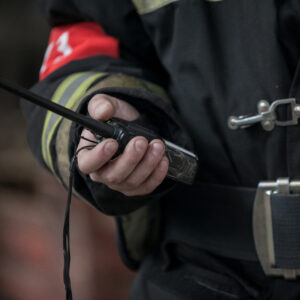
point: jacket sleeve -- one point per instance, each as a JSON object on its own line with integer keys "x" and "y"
{"x": 96, "y": 47}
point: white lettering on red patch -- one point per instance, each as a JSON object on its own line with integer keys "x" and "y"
{"x": 76, "y": 41}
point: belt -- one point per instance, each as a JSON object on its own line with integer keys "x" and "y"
{"x": 250, "y": 224}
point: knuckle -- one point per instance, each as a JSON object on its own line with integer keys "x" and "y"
{"x": 93, "y": 102}
{"x": 148, "y": 189}
{"x": 158, "y": 178}
{"x": 132, "y": 161}
{"x": 111, "y": 179}
{"x": 94, "y": 177}
{"x": 80, "y": 159}
{"x": 81, "y": 164}
{"x": 132, "y": 184}
{"x": 151, "y": 185}
{"x": 113, "y": 187}
{"x": 107, "y": 105}
{"x": 130, "y": 193}
{"x": 100, "y": 105}
{"x": 152, "y": 163}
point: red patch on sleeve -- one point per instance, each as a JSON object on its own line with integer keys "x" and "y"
{"x": 76, "y": 41}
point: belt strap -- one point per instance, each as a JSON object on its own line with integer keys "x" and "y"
{"x": 220, "y": 219}
{"x": 212, "y": 217}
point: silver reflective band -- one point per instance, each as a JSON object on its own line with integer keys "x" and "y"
{"x": 267, "y": 115}
{"x": 263, "y": 227}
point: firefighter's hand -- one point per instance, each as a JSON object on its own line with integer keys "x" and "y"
{"x": 138, "y": 170}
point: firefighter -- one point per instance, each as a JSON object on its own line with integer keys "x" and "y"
{"x": 218, "y": 77}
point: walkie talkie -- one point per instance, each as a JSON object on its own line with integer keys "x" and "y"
{"x": 182, "y": 163}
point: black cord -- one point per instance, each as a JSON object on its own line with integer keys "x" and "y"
{"x": 84, "y": 138}
{"x": 66, "y": 228}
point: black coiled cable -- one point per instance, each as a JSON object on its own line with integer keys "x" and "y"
{"x": 66, "y": 228}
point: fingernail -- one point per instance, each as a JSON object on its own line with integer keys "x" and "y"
{"x": 109, "y": 148}
{"x": 163, "y": 164}
{"x": 157, "y": 148}
{"x": 140, "y": 146}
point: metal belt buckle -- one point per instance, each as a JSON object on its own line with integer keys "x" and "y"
{"x": 262, "y": 225}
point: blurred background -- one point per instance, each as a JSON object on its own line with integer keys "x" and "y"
{"x": 32, "y": 203}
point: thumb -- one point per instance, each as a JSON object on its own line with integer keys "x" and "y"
{"x": 103, "y": 107}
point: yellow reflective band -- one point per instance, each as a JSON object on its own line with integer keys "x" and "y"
{"x": 62, "y": 144}
{"x": 74, "y": 98}
{"x": 147, "y": 6}
{"x": 56, "y": 97}
{"x": 68, "y": 97}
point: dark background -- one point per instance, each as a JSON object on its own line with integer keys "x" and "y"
{"x": 32, "y": 203}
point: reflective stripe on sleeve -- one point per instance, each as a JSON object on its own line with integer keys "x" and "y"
{"x": 68, "y": 93}
{"x": 62, "y": 144}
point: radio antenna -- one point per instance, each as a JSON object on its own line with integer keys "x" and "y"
{"x": 95, "y": 126}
